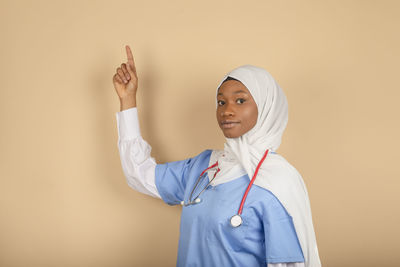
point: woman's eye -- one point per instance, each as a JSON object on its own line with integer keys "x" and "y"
{"x": 240, "y": 101}
{"x": 220, "y": 102}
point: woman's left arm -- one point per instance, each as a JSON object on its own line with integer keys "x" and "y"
{"x": 282, "y": 245}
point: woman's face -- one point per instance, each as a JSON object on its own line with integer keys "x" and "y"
{"x": 236, "y": 112}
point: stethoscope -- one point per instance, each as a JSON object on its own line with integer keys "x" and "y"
{"x": 236, "y": 220}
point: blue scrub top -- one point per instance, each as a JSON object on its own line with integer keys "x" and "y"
{"x": 267, "y": 234}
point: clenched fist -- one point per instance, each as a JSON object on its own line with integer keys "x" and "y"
{"x": 126, "y": 82}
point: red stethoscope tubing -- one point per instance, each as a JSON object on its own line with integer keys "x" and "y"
{"x": 251, "y": 183}
{"x": 212, "y": 166}
{"x": 236, "y": 220}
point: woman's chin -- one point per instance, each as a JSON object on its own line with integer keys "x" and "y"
{"x": 230, "y": 134}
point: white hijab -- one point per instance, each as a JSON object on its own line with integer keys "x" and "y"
{"x": 275, "y": 174}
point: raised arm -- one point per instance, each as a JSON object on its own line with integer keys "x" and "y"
{"x": 137, "y": 164}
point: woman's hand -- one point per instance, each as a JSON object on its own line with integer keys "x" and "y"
{"x": 126, "y": 82}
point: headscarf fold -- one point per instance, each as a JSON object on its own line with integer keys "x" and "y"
{"x": 276, "y": 174}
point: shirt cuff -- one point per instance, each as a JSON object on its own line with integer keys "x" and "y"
{"x": 128, "y": 124}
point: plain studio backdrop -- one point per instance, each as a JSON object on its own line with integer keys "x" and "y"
{"x": 64, "y": 200}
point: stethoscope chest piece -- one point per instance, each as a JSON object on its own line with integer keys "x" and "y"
{"x": 236, "y": 220}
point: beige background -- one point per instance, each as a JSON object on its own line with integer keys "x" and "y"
{"x": 63, "y": 196}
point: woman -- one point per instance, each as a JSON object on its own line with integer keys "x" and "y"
{"x": 226, "y": 219}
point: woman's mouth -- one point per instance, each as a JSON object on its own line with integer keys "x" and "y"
{"x": 229, "y": 124}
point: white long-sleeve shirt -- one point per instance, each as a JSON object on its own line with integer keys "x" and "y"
{"x": 137, "y": 163}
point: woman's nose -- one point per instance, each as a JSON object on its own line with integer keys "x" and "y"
{"x": 228, "y": 110}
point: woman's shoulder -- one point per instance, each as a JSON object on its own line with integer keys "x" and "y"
{"x": 209, "y": 155}
{"x": 204, "y": 155}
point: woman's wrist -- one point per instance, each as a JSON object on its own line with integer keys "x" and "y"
{"x": 127, "y": 103}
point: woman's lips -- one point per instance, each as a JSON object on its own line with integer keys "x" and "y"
{"x": 229, "y": 124}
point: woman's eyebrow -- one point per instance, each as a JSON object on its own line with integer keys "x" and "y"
{"x": 236, "y": 92}
{"x": 240, "y": 91}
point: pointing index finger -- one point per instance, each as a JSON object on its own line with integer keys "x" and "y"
{"x": 131, "y": 62}
{"x": 129, "y": 56}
